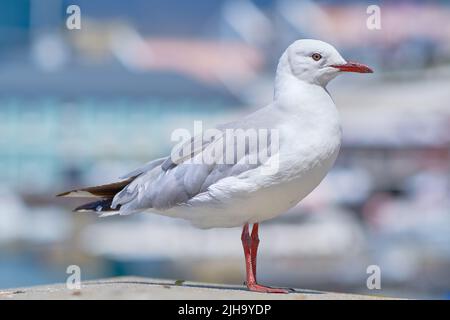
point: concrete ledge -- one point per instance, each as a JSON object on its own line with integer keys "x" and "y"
{"x": 156, "y": 289}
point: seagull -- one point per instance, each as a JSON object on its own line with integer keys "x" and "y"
{"x": 301, "y": 133}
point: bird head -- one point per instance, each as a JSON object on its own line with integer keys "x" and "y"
{"x": 317, "y": 62}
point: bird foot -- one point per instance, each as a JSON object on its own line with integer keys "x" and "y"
{"x": 263, "y": 289}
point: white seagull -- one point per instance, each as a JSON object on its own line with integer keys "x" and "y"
{"x": 302, "y": 123}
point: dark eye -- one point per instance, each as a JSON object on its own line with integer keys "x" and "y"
{"x": 316, "y": 56}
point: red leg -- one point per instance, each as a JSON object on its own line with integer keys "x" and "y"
{"x": 254, "y": 246}
{"x": 250, "y": 253}
{"x": 246, "y": 244}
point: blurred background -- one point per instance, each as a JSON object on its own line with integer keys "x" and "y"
{"x": 82, "y": 107}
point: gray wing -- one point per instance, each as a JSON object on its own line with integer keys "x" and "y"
{"x": 166, "y": 182}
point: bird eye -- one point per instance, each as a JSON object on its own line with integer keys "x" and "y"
{"x": 316, "y": 56}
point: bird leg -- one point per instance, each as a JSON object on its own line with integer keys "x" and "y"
{"x": 246, "y": 244}
{"x": 250, "y": 245}
{"x": 254, "y": 246}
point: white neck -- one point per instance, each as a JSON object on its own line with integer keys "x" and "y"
{"x": 291, "y": 92}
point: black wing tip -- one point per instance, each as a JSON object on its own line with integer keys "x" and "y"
{"x": 97, "y": 206}
{"x": 62, "y": 194}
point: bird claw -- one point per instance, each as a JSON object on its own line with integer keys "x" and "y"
{"x": 264, "y": 289}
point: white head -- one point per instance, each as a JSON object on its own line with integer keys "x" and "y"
{"x": 315, "y": 62}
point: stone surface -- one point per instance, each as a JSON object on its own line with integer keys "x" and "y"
{"x": 145, "y": 288}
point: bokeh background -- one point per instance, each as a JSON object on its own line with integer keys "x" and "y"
{"x": 81, "y": 107}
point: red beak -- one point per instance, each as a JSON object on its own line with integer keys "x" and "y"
{"x": 353, "y": 67}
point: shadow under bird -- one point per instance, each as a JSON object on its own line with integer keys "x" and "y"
{"x": 215, "y": 194}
